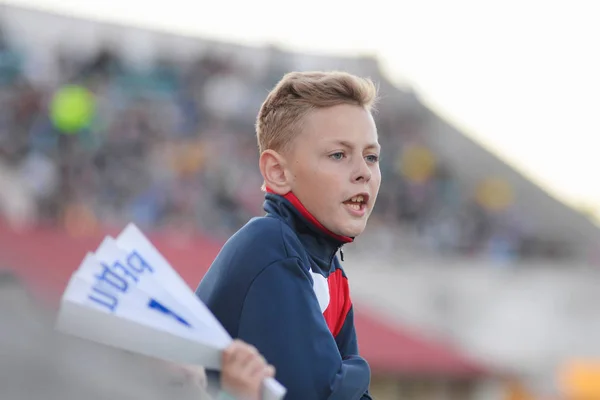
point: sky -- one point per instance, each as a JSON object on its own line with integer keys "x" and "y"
{"x": 522, "y": 77}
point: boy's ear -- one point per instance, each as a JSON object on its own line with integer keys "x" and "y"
{"x": 272, "y": 168}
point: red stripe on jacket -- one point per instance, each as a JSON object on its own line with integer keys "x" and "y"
{"x": 339, "y": 302}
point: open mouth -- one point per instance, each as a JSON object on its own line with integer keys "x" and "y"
{"x": 358, "y": 203}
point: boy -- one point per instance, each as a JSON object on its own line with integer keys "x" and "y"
{"x": 277, "y": 283}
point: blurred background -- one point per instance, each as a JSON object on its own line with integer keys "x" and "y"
{"x": 478, "y": 275}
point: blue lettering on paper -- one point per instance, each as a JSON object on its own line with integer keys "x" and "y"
{"x": 137, "y": 263}
{"x": 111, "y": 278}
{"x": 117, "y": 277}
{"x": 106, "y": 299}
{"x": 118, "y": 266}
{"x": 154, "y": 304}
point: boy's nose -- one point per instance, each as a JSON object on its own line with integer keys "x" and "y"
{"x": 363, "y": 172}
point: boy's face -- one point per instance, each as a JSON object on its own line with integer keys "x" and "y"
{"x": 333, "y": 167}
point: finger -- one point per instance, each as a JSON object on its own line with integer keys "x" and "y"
{"x": 248, "y": 348}
{"x": 269, "y": 371}
{"x": 234, "y": 352}
{"x": 246, "y": 354}
{"x": 233, "y": 347}
{"x": 255, "y": 367}
{"x": 247, "y": 361}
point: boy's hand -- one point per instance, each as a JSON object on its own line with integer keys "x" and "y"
{"x": 244, "y": 370}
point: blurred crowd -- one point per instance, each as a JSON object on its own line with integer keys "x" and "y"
{"x": 173, "y": 146}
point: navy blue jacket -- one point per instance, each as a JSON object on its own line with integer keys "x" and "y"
{"x": 278, "y": 285}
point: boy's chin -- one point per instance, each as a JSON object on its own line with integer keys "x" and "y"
{"x": 350, "y": 230}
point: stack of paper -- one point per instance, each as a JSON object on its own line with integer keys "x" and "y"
{"x": 126, "y": 295}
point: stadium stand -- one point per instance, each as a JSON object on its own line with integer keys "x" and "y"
{"x": 171, "y": 144}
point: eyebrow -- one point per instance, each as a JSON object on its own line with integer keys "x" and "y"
{"x": 344, "y": 143}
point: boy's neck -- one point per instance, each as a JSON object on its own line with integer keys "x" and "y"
{"x": 291, "y": 197}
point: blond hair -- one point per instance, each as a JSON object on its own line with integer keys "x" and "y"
{"x": 299, "y": 93}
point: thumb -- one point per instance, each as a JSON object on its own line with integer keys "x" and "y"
{"x": 269, "y": 371}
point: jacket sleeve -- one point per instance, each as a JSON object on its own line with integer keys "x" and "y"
{"x": 348, "y": 344}
{"x": 282, "y": 318}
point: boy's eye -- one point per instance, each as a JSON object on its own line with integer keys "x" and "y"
{"x": 337, "y": 156}
{"x": 373, "y": 158}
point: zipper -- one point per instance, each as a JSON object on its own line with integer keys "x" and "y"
{"x": 334, "y": 253}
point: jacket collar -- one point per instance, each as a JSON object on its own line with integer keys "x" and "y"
{"x": 318, "y": 240}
